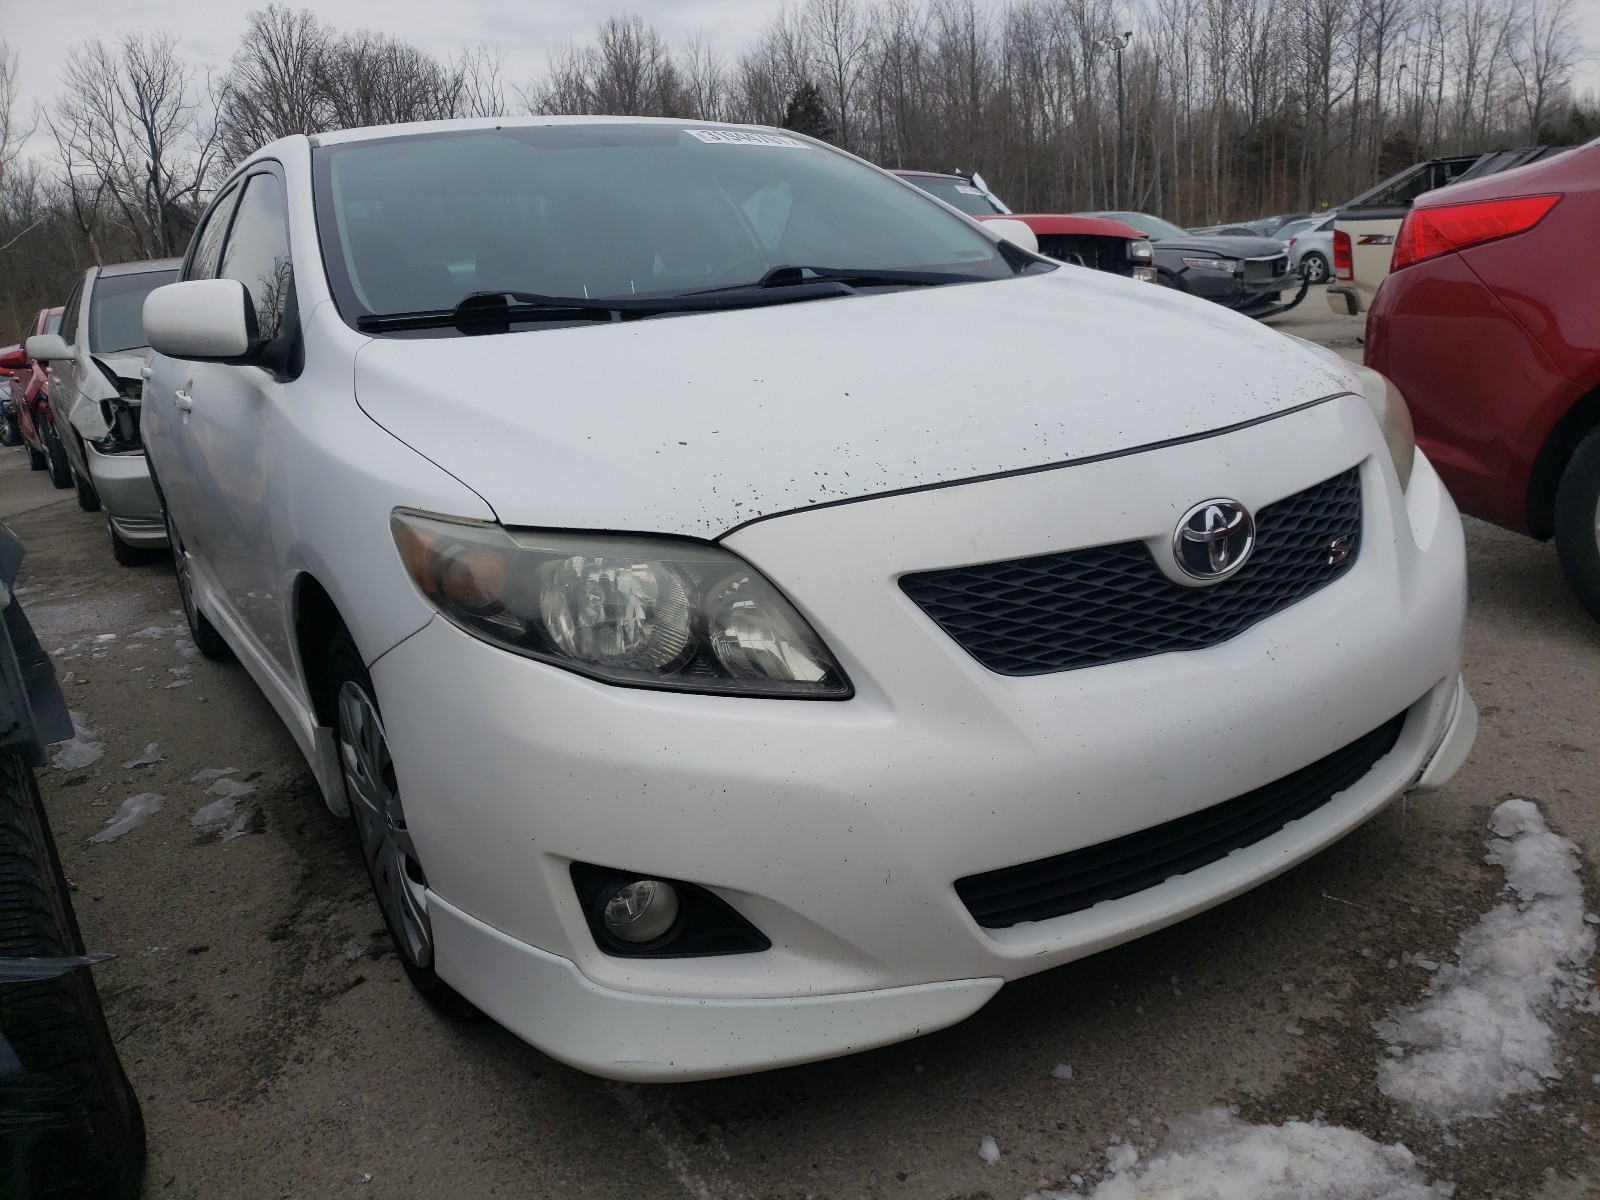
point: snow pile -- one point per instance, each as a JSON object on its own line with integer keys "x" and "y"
{"x": 1480, "y": 1035}
{"x": 228, "y": 793}
{"x": 1215, "y": 1156}
{"x": 79, "y": 750}
{"x": 131, "y": 813}
{"x": 150, "y": 757}
{"x": 211, "y": 773}
{"x": 989, "y": 1150}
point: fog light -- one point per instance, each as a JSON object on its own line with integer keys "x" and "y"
{"x": 641, "y": 911}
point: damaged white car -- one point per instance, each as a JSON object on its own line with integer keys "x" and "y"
{"x": 96, "y": 380}
{"x": 736, "y": 644}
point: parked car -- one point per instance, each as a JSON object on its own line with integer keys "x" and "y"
{"x": 1490, "y": 324}
{"x": 733, "y": 648}
{"x": 1095, "y": 242}
{"x": 70, "y": 1125}
{"x": 1246, "y": 274}
{"x": 1311, "y": 248}
{"x": 95, "y": 378}
{"x": 31, "y": 403}
{"x": 12, "y": 360}
{"x": 1363, "y": 236}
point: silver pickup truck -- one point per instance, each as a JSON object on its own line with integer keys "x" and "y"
{"x": 1364, "y": 232}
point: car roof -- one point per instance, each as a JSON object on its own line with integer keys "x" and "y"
{"x": 928, "y": 175}
{"x": 139, "y": 268}
{"x": 372, "y": 132}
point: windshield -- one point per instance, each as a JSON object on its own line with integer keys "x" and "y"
{"x": 607, "y": 210}
{"x": 1153, "y": 228}
{"x": 116, "y": 310}
{"x": 957, "y": 193}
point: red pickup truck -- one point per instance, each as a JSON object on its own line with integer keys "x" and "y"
{"x": 29, "y": 407}
{"x": 1100, "y": 243}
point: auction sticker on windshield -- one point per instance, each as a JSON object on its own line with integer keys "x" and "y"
{"x": 735, "y": 137}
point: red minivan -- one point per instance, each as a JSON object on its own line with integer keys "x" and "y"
{"x": 1490, "y": 325}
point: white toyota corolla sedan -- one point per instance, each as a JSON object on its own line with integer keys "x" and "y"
{"x": 750, "y": 611}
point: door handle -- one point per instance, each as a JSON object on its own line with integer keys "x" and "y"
{"x": 183, "y": 400}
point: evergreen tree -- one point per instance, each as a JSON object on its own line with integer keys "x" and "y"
{"x": 806, "y": 114}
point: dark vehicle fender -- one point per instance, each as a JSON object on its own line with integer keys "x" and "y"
{"x": 33, "y": 711}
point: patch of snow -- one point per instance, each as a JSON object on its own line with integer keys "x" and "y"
{"x": 185, "y": 647}
{"x": 352, "y": 950}
{"x": 152, "y": 632}
{"x": 105, "y": 637}
{"x": 228, "y": 793}
{"x": 178, "y": 684}
{"x": 80, "y": 749}
{"x": 180, "y": 671}
{"x": 211, "y": 773}
{"x": 989, "y": 1150}
{"x": 151, "y": 756}
{"x": 1480, "y": 1035}
{"x": 238, "y": 829}
{"x": 131, "y": 813}
{"x": 1061, "y": 1071}
{"x": 1215, "y": 1156}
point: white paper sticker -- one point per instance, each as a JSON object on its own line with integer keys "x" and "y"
{"x": 968, "y": 191}
{"x": 737, "y": 137}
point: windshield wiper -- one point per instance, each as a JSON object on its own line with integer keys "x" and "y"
{"x": 489, "y": 311}
{"x": 790, "y": 275}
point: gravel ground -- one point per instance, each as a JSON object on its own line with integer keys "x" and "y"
{"x": 279, "y": 1052}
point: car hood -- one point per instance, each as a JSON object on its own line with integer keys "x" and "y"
{"x": 1223, "y": 245}
{"x": 696, "y": 424}
{"x": 126, "y": 364}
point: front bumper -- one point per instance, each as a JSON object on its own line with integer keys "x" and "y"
{"x": 839, "y": 829}
{"x": 128, "y": 496}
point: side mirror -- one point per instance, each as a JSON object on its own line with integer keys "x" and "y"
{"x": 13, "y": 358}
{"x": 46, "y": 347}
{"x": 207, "y": 319}
{"x": 1015, "y": 232}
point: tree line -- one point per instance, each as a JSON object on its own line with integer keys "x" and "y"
{"x": 1229, "y": 108}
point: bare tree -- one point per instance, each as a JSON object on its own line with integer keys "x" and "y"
{"x": 132, "y": 132}
{"x": 273, "y": 86}
{"x": 1543, "y": 51}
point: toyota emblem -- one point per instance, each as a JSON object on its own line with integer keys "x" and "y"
{"x": 1213, "y": 540}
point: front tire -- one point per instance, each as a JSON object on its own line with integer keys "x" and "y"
{"x": 206, "y": 638}
{"x": 1577, "y": 522}
{"x": 1314, "y": 267}
{"x": 373, "y": 791}
{"x": 56, "y": 456}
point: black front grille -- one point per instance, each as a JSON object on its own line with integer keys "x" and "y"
{"x": 1080, "y": 879}
{"x": 1106, "y": 604}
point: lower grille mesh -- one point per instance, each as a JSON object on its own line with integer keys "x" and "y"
{"x": 1080, "y": 879}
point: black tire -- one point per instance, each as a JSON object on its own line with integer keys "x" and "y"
{"x": 348, "y": 677}
{"x": 56, "y": 457}
{"x": 88, "y": 498}
{"x": 36, "y": 459}
{"x": 1314, "y": 267}
{"x": 73, "y": 1126}
{"x": 10, "y": 432}
{"x": 1577, "y": 522}
{"x": 129, "y": 555}
{"x": 206, "y": 638}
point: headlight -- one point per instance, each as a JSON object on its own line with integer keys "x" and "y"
{"x": 647, "y": 612}
{"x": 1142, "y": 251}
{"x": 1394, "y": 418}
{"x": 1212, "y": 264}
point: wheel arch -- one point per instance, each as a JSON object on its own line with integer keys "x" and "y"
{"x": 1551, "y": 462}
{"x": 317, "y": 621}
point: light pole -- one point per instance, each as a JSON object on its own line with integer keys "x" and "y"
{"x": 1119, "y": 44}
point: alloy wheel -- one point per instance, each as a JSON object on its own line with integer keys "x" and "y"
{"x": 369, "y": 779}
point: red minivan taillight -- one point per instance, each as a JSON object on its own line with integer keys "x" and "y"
{"x": 1343, "y": 268}
{"x": 1439, "y": 229}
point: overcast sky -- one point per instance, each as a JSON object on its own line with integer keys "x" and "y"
{"x": 523, "y": 30}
